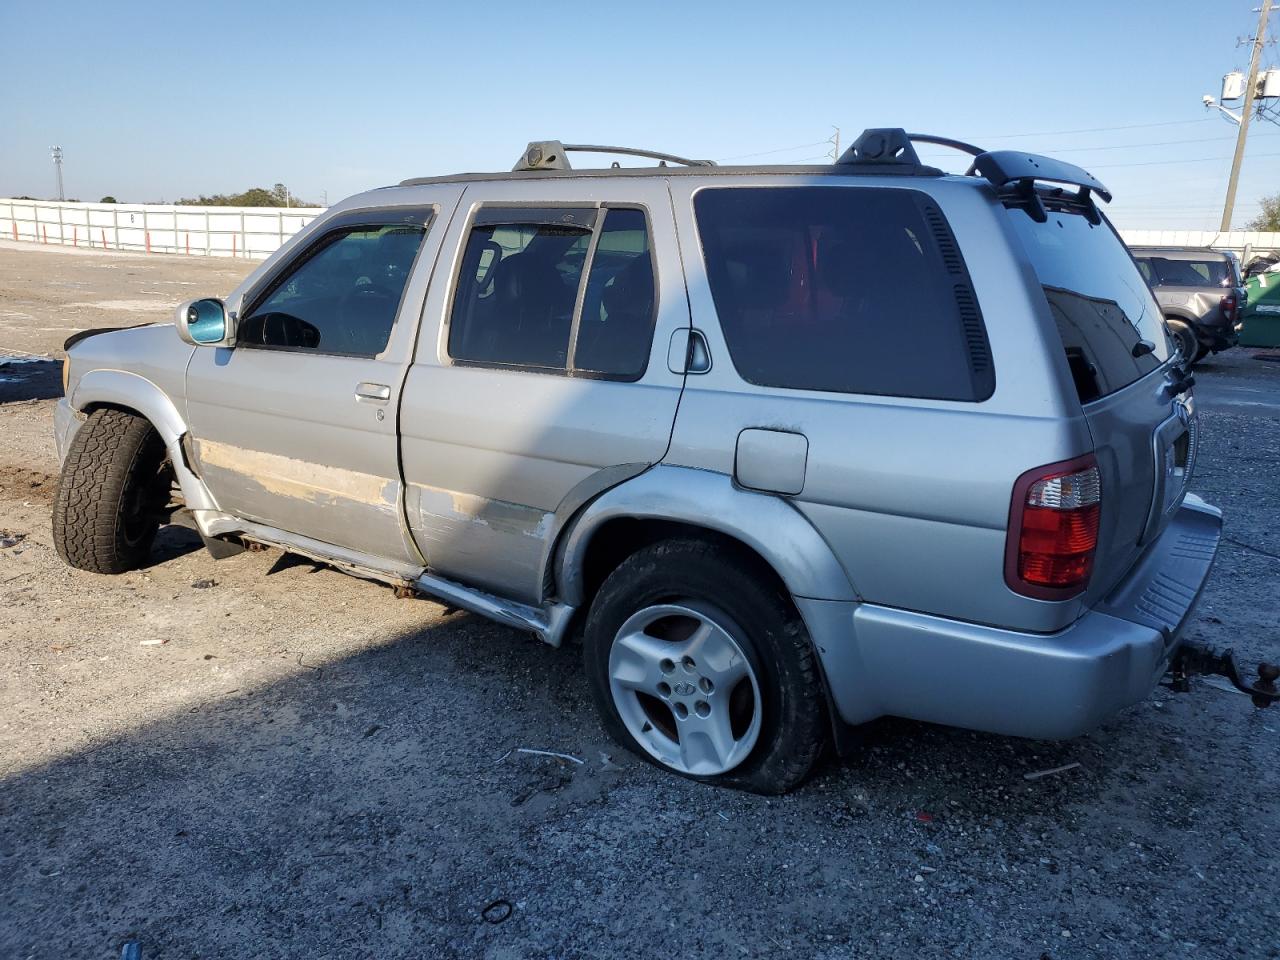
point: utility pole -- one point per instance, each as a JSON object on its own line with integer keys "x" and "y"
{"x": 835, "y": 141}
{"x": 57, "y": 164}
{"x": 1251, "y": 85}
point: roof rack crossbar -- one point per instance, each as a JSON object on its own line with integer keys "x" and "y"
{"x": 960, "y": 145}
{"x": 550, "y": 155}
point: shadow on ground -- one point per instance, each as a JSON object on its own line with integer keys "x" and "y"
{"x": 375, "y": 806}
{"x": 29, "y": 378}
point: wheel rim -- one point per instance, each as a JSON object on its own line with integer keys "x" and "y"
{"x": 1187, "y": 342}
{"x": 684, "y": 687}
{"x": 143, "y": 506}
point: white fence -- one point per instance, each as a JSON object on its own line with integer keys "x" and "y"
{"x": 256, "y": 232}
{"x": 246, "y": 232}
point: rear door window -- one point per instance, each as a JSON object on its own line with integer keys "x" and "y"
{"x": 574, "y": 294}
{"x": 843, "y": 289}
{"x": 1100, "y": 302}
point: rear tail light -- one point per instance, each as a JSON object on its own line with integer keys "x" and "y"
{"x": 1053, "y": 529}
{"x": 1230, "y": 307}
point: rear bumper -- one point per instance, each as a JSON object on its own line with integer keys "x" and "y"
{"x": 881, "y": 661}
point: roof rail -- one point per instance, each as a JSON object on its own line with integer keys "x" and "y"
{"x": 1010, "y": 171}
{"x": 550, "y": 155}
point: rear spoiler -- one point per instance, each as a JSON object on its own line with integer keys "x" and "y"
{"x": 1014, "y": 174}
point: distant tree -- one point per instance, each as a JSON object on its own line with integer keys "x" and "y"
{"x": 1269, "y": 219}
{"x": 253, "y": 197}
{"x": 108, "y": 199}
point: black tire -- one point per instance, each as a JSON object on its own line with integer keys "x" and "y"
{"x": 793, "y": 729}
{"x": 1188, "y": 342}
{"x": 111, "y": 495}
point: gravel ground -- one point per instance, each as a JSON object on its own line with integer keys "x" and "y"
{"x": 290, "y": 762}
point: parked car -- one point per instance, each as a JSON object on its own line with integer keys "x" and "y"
{"x": 1200, "y": 292}
{"x": 789, "y": 447}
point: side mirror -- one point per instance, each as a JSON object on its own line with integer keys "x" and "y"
{"x": 204, "y": 323}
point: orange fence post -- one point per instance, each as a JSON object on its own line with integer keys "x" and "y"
{"x": 188, "y": 236}
{"x": 147, "y": 237}
{"x": 15, "y": 229}
{"x": 45, "y": 232}
{"x": 104, "y": 238}
{"x": 233, "y": 245}
{"x": 75, "y": 236}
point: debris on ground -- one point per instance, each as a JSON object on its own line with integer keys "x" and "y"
{"x": 548, "y": 753}
{"x": 8, "y": 539}
{"x": 497, "y": 911}
{"x": 1037, "y": 774}
{"x": 204, "y": 584}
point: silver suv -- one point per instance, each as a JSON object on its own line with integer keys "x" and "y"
{"x": 1199, "y": 291}
{"x": 789, "y": 448}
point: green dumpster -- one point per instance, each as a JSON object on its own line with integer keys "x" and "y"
{"x": 1261, "y": 314}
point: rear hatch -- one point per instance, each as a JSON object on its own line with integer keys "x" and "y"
{"x": 1141, "y": 415}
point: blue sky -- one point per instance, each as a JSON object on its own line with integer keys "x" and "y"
{"x": 154, "y": 101}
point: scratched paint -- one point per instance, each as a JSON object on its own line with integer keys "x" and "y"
{"x": 499, "y": 515}
{"x": 299, "y": 479}
{"x": 493, "y": 543}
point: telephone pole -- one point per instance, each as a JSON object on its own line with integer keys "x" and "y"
{"x": 1250, "y": 88}
{"x": 835, "y": 142}
{"x": 57, "y": 165}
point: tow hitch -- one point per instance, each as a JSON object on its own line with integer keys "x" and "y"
{"x": 1195, "y": 658}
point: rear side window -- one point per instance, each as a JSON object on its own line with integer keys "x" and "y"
{"x": 561, "y": 297}
{"x": 843, "y": 289}
{"x": 1100, "y": 303}
{"x": 1177, "y": 272}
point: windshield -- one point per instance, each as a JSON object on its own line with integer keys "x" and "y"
{"x": 1103, "y": 308}
{"x": 1177, "y": 272}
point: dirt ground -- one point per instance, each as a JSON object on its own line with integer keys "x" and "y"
{"x": 259, "y": 757}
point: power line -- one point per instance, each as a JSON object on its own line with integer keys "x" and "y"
{"x": 1127, "y": 126}
{"x": 1155, "y": 163}
{"x": 765, "y": 153}
{"x": 1140, "y": 146}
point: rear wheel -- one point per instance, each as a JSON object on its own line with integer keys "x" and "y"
{"x": 112, "y": 494}
{"x": 1188, "y": 342}
{"x": 698, "y": 662}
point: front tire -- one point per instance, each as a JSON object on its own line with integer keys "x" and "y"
{"x": 111, "y": 495}
{"x": 698, "y": 662}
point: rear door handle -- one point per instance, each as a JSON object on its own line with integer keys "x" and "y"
{"x": 373, "y": 392}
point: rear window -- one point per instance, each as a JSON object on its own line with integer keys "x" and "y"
{"x": 843, "y": 289}
{"x": 1177, "y": 272}
{"x": 1102, "y": 306}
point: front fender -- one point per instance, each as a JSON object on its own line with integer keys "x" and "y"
{"x": 119, "y": 388}
{"x": 768, "y": 524}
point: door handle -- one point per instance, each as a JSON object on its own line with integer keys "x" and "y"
{"x": 373, "y": 392}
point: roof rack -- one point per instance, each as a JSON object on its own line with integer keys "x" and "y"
{"x": 550, "y": 155}
{"x": 1014, "y": 174}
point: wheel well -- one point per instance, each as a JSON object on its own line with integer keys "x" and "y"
{"x": 95, "y": 405}
{"x": 619, "y": 538}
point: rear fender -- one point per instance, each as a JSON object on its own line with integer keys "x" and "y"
{"x": 769, "y": 525}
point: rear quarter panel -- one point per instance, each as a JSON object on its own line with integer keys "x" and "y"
{"x": 911, "y": 495}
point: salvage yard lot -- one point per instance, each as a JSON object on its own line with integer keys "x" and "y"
{"x": 260, "y": 756}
